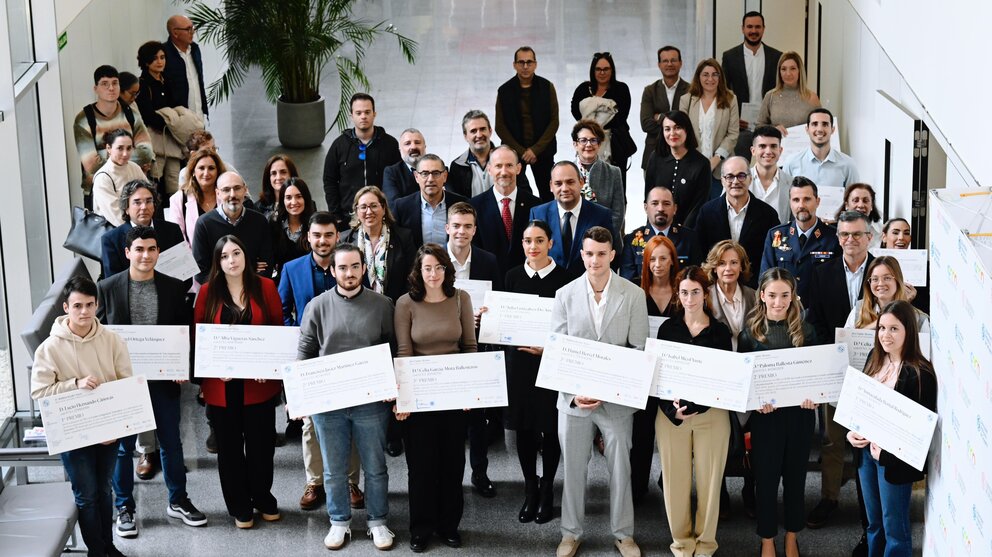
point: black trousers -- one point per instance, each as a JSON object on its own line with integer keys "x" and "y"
{"x": 542, "y": 175}
{"x": 246, "y": 444}
{"x": 780, "y": 444}
{"x": 478, "y": 439}
{"x": 435, "y": 458}
{"x": 642, "y": 450}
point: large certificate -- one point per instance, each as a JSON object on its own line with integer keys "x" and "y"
{"x": 451, "y": 382}
{"x": 595, "y": 369}
{"x": 749, "y": 113}
{"x": 516, "y": 319}
{"x": 860, "y": 342}
{"x": 892, "y": 421}
{"x": 244, "y": 351}
{"x": 177, "y": 262}
{"x": 705, "y": 376}
{"x": 476, "y": 290}
{"x": 789, "y": 376}
{"x": 912, "y": 263}
{"x": 340, "y": 380}
{"x": 157, "y": 351}
{"x": 83, "y": 417}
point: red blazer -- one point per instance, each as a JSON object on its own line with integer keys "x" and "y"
{"x": 271, "y": 314}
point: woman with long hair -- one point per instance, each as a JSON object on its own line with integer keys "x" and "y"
{"x": 111, "y": 177}
{"x": 780, "y": 437}
{"x": 680, "y": 167}
{"x": 532, "y": 411}
{"x": 897, "y": 234}
{"x": 278, "y": 169}
{"x": 606, "y": 101}
{"x": 897, "y": 362}
{"x": 241, "y": 411}
{"x": 432, "y": 319}
{"x": 290, "y": 222}
{"x": 692, "y": 438}
{"x": 861, "y": 198}
{"x": 712, "y": 108}
{"x": 789, "y": 103}
{"x": 199, "y": 194}
{"x": 884, "y": 284}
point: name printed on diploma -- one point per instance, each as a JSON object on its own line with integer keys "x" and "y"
{"x": 244, "y": 351}
{"x": 342, "y": 380}
{"x": 861, "y": 341}
{"x": 516, "y": 319}
{"x": 594, "y": 369}
{"x": 706, "y": 376}
{"x": 789, "y": 376}
{"x": 451, "y": 382}
{"x": 86, "y": 417}
{"x": 159, "y": 352}
{"x": 878, "y": 413}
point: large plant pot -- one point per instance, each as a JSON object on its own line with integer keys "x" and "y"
{"x": 301, "y": 125}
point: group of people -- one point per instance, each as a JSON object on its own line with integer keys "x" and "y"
{"x": 733, "y": 253}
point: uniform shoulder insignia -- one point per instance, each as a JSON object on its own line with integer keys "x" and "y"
{"x": 817, "y": 233}
{"x": 792, "y": 231}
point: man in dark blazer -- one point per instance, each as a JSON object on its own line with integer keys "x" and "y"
{"x": 432, "y": 201}
{"x": 397, "y": 179}
{"x": 123, "y": 300}
{"x": 661, "y": 97}
{"x": 569, "y": 212}
{"x": 735, "y": 68}
{"x": 467, "y": 174}
{"x": 139, "y": 201}
{"x": 492, "y": 233}
{"x": 180, "y": 48}
{"x": 737, "y": 215}
{"x": 660, "y": 208}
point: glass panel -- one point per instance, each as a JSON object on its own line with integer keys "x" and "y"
{"x": 19, "y": 25}
{"x": 7, "y": 404}
{"x": 33, "y": 190}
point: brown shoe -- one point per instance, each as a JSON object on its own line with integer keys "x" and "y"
{"x": 313, "y": 496}
{"x": 146, "y": 466}
{"x": 357, "y": 497}
{"x": 567, "y": 547}
{"x": 628, "y": 548}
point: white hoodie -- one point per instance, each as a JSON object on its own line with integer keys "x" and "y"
{"x": 65, "y": 357}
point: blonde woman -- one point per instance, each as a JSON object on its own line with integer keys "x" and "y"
{"x": 884, "y": 284}
{"x": 789, "y": 103}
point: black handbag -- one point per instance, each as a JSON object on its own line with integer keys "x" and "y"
{"x": 87, "y": 230}
{"x": 622, "y": 145}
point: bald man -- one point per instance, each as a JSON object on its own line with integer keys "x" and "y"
{"x": 184, "y": 66}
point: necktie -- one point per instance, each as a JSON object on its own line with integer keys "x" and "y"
{"x": 507, "y": 219}
{"x": 802, "y": 241}
{"x": 566, "y": 234}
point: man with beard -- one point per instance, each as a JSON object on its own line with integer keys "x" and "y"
{"x": 751, "y": 69}
{"x": 660, "y": 207}
{"x": 398, "y": 180}
{"x": 828, "y": 168}
{"x": 468, "y": 174}
{"x": 803, "y": 243}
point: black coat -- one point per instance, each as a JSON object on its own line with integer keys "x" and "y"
{"x": 484, "y": 267}
{"x": 736, "y": 72}
{"x": 713, "y": 225}
{"x": 688, "y": 178}
{"x": 345, "y": 172}
{"x": 827, "y": 300}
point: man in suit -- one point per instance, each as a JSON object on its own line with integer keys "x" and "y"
{"x": 836, "y": 287}
{"x": 737, "y": 215}
{"x": 504, "y": 210}
{"x": 660, "y": 208}
{"x": 597, "y": 306}
{"x": 770, "y": 183}
{"x": 533, "y": 138}
{"x": 569, "y": 217}
{"x": 184, "y": 66}
{"x": 661, "y": 97}
{"x": 139, "y": 201}
{"x": 141, "y": 296}
{"x": 751, "y": 69}
{"x": 803, "y": 243}
{"x": 425, "y": 212}
{"x": 397, "y": 179}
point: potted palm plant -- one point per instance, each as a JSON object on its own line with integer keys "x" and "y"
{"x": 292, "y": 42}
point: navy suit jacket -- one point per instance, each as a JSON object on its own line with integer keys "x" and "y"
{"x": 590, "y": 215}
{"x": 175, "y": 74}
{"x": 406, "y": 210}
{"x": 714, "y": 226}
{"x": 296, "y": 289}
{"x": 112, "y": 254}
{"x": 397, "y": 182}
{"x": 490, "y": 233}
{"x": 686, "y": 246}
{"x": 829, "y": 305}
{"x": 485, "y": 267}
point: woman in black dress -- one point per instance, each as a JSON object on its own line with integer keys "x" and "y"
{"x": 680, "y": 167}
{"x": 532, "y": 411}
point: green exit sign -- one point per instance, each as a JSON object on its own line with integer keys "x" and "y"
{"x": 63, "y": 40}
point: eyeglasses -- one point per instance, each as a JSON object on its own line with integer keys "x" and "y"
{"x": 430, "y": 173}
{"x": 882, "y": 279}
{"x": 525, "y": 63}
{"x": 602, "y": 70}
{"x": 587, "y": 141}
{"x": 370, "y": 207}
{"x": 854, "y": 235}
{"x": 234, "y": 189}
{"x": 188, "y": 29}
{"x": 429, "y": 270}
{"x": 740, "y": 177}
{"x": 361, "y": 151}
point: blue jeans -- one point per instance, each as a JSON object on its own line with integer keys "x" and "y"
{"x": 89, "y": 470}
{"x": 123, "y": 477}
{"x": 366, "y": 425}
{"x": 887, "y": 504}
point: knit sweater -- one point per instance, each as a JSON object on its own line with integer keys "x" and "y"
{"x": 107, "y": 185}
{"x": 252, "y": 230}
{"x": 332, "y": 324}
{"x": 432, "y": 329}
{"x": 65, "y": 357}
{"x": 91, "y": 157}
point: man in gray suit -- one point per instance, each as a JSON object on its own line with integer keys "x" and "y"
{"x": 751, "y": 69}
{"x": 603, "y": 307}
{"x": 660, "y": 97}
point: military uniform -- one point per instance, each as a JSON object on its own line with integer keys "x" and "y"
{"x": 686, "y": 245}
{"x": 782, "y": 250}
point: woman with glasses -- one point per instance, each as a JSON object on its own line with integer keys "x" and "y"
{"x": 861, "y": 198}
{"x": 288, "y": 223}
{"x": 692, "y": 438}
{"x": 603, "y": 181}
{"x": 680, "y": 168}
{"x": 883, "y": 286}
{"x": 887, "y": 482}
{"x": 278, "y": 169}
{"x": 432, "y": 319}
{"x": 789, "y": 103}
{"x": 388, "y": 247}
{"x": 712, "y": 108}
{"x": 606, "y": 101}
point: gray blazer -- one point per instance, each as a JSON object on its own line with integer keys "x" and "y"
{"x": 608, "y": 185}
{"x": 748, "y": 294}
{"x": 654, "y": 100}
{"x": 726, "y": 126}
{"x": 625, "y": 323}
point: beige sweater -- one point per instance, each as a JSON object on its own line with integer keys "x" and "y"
{"x": 64, "y": 357}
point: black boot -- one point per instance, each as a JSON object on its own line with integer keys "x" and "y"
{"x": 529, "y": 511}
{"x": 546, "y": 503}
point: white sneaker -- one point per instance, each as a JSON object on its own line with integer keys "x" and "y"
{"x": 381, "y": 536}
{"x": 335, "y": 537}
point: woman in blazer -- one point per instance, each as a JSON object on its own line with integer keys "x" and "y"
{"x": 388, "y": 247}
{"x": 603, "y": 182}
{"x": 198, "y": 195}
{"x": 241, "y": 411}
{"x": 712, "y": 107}
{"x": 887, "y": 482}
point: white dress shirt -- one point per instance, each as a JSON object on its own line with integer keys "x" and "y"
{"x": 771, "y": 195}
{"x": 670, "y": 93}
{"x": 598, "y": 309}
{"x": 575, "y": 216}
{"x": 754, "y": 65}
{"x": 707, "y": 125}
{"x": 461, "y": 271}
{"x": 195, "y": 102}
{"x": 543, "y": 272}
{"x": 513, "y": 201}
{"x": 736, "y": 219}
{"x": 855, "y": 280}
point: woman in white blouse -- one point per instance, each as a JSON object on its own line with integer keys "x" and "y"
{"x": 883, "y": 286}
{"x": 712, "y": 108}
